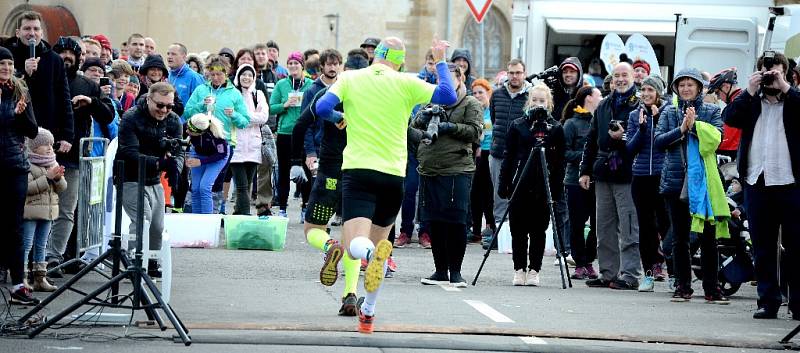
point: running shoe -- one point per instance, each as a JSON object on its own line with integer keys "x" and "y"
{"x": 648, "y": 283}
{"x": 682, "y": 295}
{"x": 392, "y": 266}
{"x": 303, "y": 215}
{"x": 580, "y": 273}
{"x": 373, "y": 275}
{"x": 402, "y": 240}
{"x": 330, "y": 269}
{"x": 425, "y": 240}
{"x": 532, "y": 278}
{"x": 457, "y": 281}
{"x": 717, "y": 298}
{"x": 282, "y": 213}
{"x": 658, "y": 273}
{"x": 365, "y": 322}
{"x": 23, "y": 296}
{"x": 348, "y": 305}
{"x": 519, "y": 277}
{"x": 590, "y": 272}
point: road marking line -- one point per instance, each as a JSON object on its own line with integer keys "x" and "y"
{"x": 449, "y": 288}
{"x": 533, "y": 340}
{"x": 488, "y": 311}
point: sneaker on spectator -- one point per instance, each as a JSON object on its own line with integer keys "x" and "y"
{"x": 23, "y": 296}
{"x": 282, "y": 213}
{"x": 682, "y": 295}
{"x": 519, "y": 277}
{"x": 457, "y": 281}
{"x": 570, "y": 261}
{"x": 580, "y": 273}
{"x": 302, "y": 215}
{"x": 658, "y": 272}
{"x": 425, "y": 240}
{"x": 532, "y": 278}
{"x": 402, "y": 240}
{"x": 621, "y": 284}
{"x": 436, "y": 278}
{"x": 597, "y": 283}
{"x": 590, "y": 272}
{"x": 717, "y": 298}
{"x": 392, "y": 266}
{"x": 648, "y": 283}
{"x": 475, "y": 238}
{"x": 363, "y": 265}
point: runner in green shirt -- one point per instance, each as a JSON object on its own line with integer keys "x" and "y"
{"x": 378, "y": 101}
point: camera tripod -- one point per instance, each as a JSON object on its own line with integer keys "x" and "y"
{"x": 558, "y": 241}
{"x": 140, "y": 300}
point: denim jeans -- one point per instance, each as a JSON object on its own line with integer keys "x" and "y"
{"x": 34, "y": 235}
{"x": 203, "y": 178}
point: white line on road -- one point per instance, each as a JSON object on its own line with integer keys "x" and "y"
{"x": 533, "y": 340}
{"x": 488, "y": 311}
{"x": 449, "y": 288}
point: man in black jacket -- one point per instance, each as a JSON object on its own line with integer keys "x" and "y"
{"x": 607, "y": 163}
{"x": 141, "y": 133}
{"x": 88, "y": 103}
{"x": 769, "y": 164}
{"x": 506, "y": 105}
{"x": 47, "y": 82}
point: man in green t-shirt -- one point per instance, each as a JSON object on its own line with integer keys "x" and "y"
{"x": 378, "y": 101}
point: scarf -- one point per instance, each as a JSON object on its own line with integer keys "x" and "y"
{"x": 707, "y": 202}
{"x": 580, "y": 110}
{"x": 43, "y": 160}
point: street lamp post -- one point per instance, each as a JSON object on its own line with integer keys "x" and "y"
{"x": 333, "y": 24}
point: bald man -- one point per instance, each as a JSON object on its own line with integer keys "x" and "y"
{"x": 149, "y": 46}
{"x": 607, "y": 164}
{"x": 377, "y": 101}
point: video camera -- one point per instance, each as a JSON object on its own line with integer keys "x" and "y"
{"x": 539, "y": 126}
{"x": 433, "y": 114}
{"x": 551, "y": 77}
{"x": 173, "y": 145}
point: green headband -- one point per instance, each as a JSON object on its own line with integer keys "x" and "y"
{"x": 394, "y": 56}
{"x": 193, "y": 128}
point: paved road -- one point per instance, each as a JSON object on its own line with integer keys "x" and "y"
{"x": 239, "y": 299}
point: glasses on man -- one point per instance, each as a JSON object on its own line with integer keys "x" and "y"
{"x": 169, "y": 106}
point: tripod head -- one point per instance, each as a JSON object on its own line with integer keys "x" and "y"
{"x": 539, "y": 126}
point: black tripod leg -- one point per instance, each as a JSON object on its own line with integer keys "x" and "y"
{"x": 491, "y": 245}
{"x": 152, "y": 313}
{"x": 64, "y": 287}
{"x": 557, "y": 240}
{"x": 77, "y": 304}
{"x": 791, "y": 335}
{"x": 177, "y": 324}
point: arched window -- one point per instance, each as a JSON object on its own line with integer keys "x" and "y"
{"x": 495, "y": 34}
{"x": 56, "y": 21}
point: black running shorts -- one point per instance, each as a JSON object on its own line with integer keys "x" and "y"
{"x": 371, "y": 194}
{"x": 325, "y": 199}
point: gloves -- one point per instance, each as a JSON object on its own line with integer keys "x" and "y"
{"x": 446, "y": 127}
{"x": 297, "y": 174}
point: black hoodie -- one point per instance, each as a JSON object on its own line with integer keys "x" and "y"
{"x": 48, "y": 87}
{"x": 155, "y": 61}
{"x": 563, "y": 94}
{"x": 466, "y": 55}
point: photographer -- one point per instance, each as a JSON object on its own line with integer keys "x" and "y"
{"x": 606, "y": 161}
{"x": 141, "y": 133}
{"x": 570, "y": 78}
{"x": 529, "y": 214}
{"x": 672, "y": 134}
{"x": 445, "y": 168}
{"x": 769, "y": 164}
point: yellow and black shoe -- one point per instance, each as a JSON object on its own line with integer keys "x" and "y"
{"x": 330, "y": 269}
{"x": 373, "y": 276}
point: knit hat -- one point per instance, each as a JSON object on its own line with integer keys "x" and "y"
{"x": 43, "y": 138}
{"x": 5, "y": 54}
{"x": 296, "y": 56}
{"x": 655, "y": 82}
{"x": 89, "y": 62}
{"x": 242, "y": 69}
{"x": 690, "y": 73}
{"x": 104, "y": 42}
{"x": 643, "y": 64}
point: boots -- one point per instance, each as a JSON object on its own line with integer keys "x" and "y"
{"x": 40, "y": 283}
{"x": 25, "y": 280}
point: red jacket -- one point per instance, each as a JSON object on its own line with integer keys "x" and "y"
{"x": 731, "y": 135}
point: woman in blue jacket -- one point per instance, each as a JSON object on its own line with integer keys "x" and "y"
{"x": 676, "y": 122}
{"x": 650, "y": 208}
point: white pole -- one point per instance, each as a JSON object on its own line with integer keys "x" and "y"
{"x": 483, "y": 54}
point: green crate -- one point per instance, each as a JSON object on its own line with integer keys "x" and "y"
{"x": 251, "y": 232}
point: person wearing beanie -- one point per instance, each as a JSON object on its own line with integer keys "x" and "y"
{"x": 45, "y": 181}
{"x": 248, "y": 140}
{"x": 106, "y": 54}
{"x": 286, "y": 102}
{"x": 646, "y": 170}
{"x": 18, "y": 123}
{"x": 641, "y": 70}
{"x": 676, "y": 123}
{"x": 463, "y": 58}
{"x": 154, "y": 70}
{"x": 89, "y": 105}
{"x": 325, "y": 201}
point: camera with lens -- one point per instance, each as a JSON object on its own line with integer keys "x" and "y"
{"x": 174, "y": 146}
{"x": 615, "y": 125}
{"x": 768, "y": 78}
{"x": 539, "y": 127}
{"x": 433, "y": 114}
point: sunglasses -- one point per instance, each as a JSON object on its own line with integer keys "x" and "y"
{"x": 169, "y": 106}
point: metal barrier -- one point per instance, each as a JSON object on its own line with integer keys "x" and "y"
{"x": 90, "y": 209}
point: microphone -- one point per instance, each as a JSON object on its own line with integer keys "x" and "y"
{"x": 32, "y": 46}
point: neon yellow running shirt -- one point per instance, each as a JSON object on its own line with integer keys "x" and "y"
{"x": 377, "y": 102}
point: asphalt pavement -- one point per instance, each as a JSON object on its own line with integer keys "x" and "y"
{"x": 247, "y": 300}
